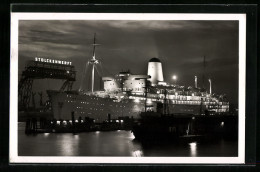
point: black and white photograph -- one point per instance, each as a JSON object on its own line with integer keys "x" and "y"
{"x": 130, "y": 88}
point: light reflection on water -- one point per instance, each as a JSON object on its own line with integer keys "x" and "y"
{"x": 46, "y": 134}
{"x": 112, "y": 143}
{"x": 68, "y": 144}
{"x": 193, "y": 149}
{"x": 137, "y": 153}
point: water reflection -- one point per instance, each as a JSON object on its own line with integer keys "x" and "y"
{"x": 46, "y": 134}
{"x": 114, "y": 143}
{"x": 76, "y": 136}
{"x": 193, "y": 149}
{"x": 137, "y": 153}
{"x": 68, "y": 144}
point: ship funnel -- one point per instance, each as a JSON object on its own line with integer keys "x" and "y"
{"x": 155, "y": 71}
{"x": 196, "y": 82}
{"x": 210, "y": 89}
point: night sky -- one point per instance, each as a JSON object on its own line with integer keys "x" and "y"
{"x": 180, "y": 45}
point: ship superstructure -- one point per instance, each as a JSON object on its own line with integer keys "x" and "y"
{"x": 158, "y": 91}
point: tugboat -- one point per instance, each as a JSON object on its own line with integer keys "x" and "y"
{"x": 160, "y": 125}
{"x": 163, "y": 126}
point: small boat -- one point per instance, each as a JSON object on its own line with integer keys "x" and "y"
{"x": 163, "y": 126}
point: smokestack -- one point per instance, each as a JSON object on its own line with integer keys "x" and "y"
{"x": 210, "y": 90}
{"x": 196, "y": 82}
{"x": 155, "y": 71}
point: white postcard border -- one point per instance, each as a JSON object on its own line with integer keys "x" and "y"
{"x": 13, "y": 130}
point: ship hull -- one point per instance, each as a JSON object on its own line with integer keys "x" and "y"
{"x": 98, "y": 108}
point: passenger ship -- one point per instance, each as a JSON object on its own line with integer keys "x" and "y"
{"x": 126, "y": 94}
{"x": 130, "y": 100}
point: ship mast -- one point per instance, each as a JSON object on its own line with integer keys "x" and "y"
{"x": 165, "y": 104}
{"x": 203, "y": 76}
{"x": 146, "y": 89}
{"x": 93, "y": 62}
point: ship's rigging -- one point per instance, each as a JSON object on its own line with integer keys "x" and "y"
{"x": 93, "y": 64}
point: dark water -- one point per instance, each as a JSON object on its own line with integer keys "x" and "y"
{"x": 114, "y": 143}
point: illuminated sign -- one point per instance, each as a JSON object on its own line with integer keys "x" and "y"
{"x": 45, "y": 60}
